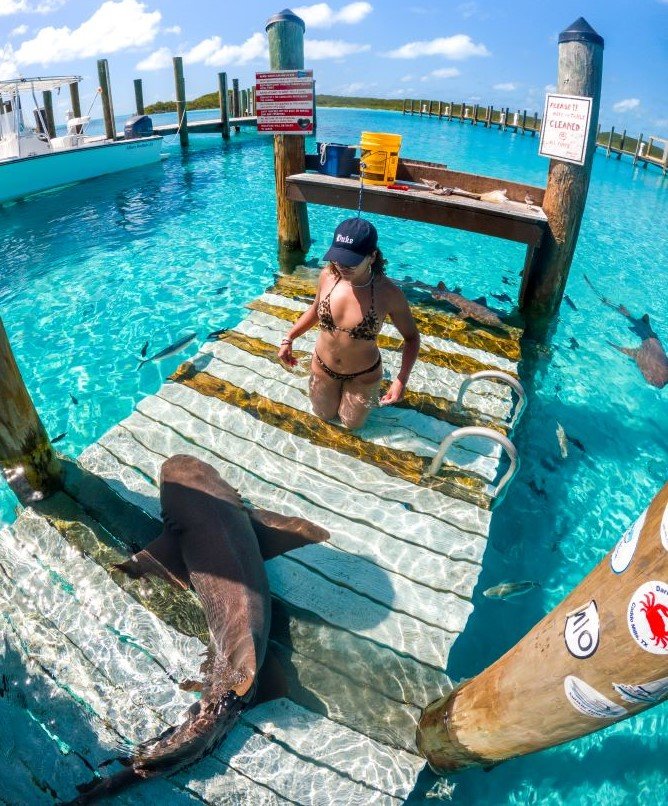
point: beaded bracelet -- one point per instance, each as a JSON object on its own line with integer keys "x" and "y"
{"x": 286, "y": 341}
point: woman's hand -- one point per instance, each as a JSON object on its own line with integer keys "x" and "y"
{"x": 394, "y": 394}
{"x": 285, "y": 354}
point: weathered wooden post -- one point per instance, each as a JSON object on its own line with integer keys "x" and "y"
{"x": 74, "y": 100}
{"x": 181, "y": 114}
{"x": 608, "y": 149}
{"x": 639, "y": 144}
{"x": 524, "y": 121}
{"x": 139, "y": 96}
{"x": 27, "y": 459}
{"x": 285, "y": 32}
{"x": 600, "y": 656}
{"x": 236, "y": 113}
{"x": 222, "y": 102}
{"x": 107, "y": 102}
{"x": 48, "y": 113}
{"x": 546, "y": 271}
{"x": 622, "y": 143}
{"x": 535, "y": 124}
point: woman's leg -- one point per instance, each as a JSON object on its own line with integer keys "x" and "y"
{"x": 325, "y": 392}
{"x": 359, "y": 396}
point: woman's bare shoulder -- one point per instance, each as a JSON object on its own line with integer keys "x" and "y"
{"x": 390, "y": 290}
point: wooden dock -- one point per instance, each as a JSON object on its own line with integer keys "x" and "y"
{"x": 362, "y": 625}
{"x": 212, "y": 126}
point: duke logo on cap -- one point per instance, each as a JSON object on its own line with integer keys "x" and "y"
{"x": 354, "y": 239}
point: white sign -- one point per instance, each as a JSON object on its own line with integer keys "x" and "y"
{"x": 581, "y": 631}
{"x": 565, "y": 127}
{"x": 585, "y": 699}
{"x": 284, "y": 102}
{"x": 623, "y": 552}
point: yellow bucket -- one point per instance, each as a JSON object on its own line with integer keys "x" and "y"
{"x": 380, "y": 157}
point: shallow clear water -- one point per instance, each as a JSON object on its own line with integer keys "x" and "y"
{"x": 91, "y": 272}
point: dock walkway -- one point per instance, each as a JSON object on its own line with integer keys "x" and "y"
{"x": 362, "y": 625}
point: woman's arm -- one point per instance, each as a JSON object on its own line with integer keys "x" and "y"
{"x": 402, "y": 319}
{"x": 305, "y": 322}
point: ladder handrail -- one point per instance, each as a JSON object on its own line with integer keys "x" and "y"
{"x": 497, "y": 375}
{"x": 479, "y": 431}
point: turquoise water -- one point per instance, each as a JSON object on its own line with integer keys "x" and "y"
{"x": 91, "y": 272}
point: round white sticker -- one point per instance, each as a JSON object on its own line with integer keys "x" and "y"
{"x": 647, "y": 617}
{"x": 581, "y": 631}
{"x": 622, "y": 554}
{"x": 587, "y": 700}
{"x": 664, "y": 528}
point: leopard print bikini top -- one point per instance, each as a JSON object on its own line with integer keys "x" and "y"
{"x": 367, "y": 329}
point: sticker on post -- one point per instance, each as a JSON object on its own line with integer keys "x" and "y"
{"x": 623, "y": 552}
{"x": 590, "y": 702}
{"x": 647, "y": 617}
{"x": 581, "y": 631}
{"x": 649, "y": 693}
{"x": 664, "y": 528}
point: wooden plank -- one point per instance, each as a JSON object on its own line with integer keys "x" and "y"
{"x": 384, "y": 768}
{"x": 501, "y": 221}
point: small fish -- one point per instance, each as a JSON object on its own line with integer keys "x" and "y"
{"x": 562, "y": 440}
{"x": 214, "y": 334}
{"x": 539, "y": 491}
{"x": 453, "y": 258}
{"x": 506, "y": 590}
{"x": 171, "y": 350}
{"x": 548, "y": 464}
{"x": 570, "y": 302}
{"x": 575, "y": 441}
{"x": 144, "y": 349}
{"x": 221, "y": 289}
{"x": 505, "y": 280}
{"x": 503, "y": 297}
{"x": 59, "y": 437}
{"x": 573, "y": 343}
{"x": 74, "y": 400}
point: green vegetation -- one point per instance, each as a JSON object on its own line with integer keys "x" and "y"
{"x": 360, "y": 103}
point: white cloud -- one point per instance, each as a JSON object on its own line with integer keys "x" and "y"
{"x": 459, "y": 46}
{"x": 175, "y": 29}
{"x": 316, "y": 49}
{"x": 158, "y": 60}
{"x": 508, "y": 85}
{"x": 322, "y": 15}
{"x": 355, "y": 87}
{"x": 8, "y": 7}
{"x": 409, "y": 77}
{"x": 443, "y": 72}
{"x": 8, "y": 66}
{"x": 113, "y": 27}
{"x": 213, "y": 52}
{"x": 626, "y": 105}
{"x": 19, "y": 30}
{"x": 550, "y": 88}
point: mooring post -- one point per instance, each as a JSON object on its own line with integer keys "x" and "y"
{"x": 285, "y": 32}
{"x": 181, "y": 114}
{"x": 74, "y": 100}
{"x": 47, "y": 98}
{"x": 609, "y": 148}
{"x": 27, "y": 459}
{"x": 139, "y": 96}
{"x": 524, "y": 121}
{"x": 622, "y": 143}
{"x": 638, "y": 146}
{"x": 597, "y": 658}
{"x": 235, "y": 98}
{"x": 546, "y": 271}
{"x": 222, "y": 102}
{"x": 535, "y": 124}
{"x": 107, "y": 102}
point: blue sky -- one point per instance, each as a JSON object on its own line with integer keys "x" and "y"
{"x": 474, "y": 50}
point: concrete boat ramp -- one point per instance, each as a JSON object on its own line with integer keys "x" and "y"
{"x": 362, "y": 625}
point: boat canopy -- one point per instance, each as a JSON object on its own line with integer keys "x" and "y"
{"x": 40, "y": 84}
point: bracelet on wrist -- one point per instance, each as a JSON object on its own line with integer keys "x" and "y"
{"x": 286, "y": 341}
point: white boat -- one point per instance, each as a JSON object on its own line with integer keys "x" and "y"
{"x": 32, "y": 161}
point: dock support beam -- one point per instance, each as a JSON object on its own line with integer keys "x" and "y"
{"x": 139, "y": 96}
{"x": 27, "y": 459}
{"x": 222, "y": 101}
{"x": 545, "y": 276}
{"x": 591, "y": 662}
{"x": 285, "y": 32}
{"x": 107, "y": 102}
{"x": 48, "y": 113}
{"x": 181, "y": 114}
{"x": 74, "y": 100}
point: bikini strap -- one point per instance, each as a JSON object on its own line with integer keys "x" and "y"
{"x": 332, "y": 288}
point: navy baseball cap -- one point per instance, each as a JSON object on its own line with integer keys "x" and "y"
{"x": 354, "y": 239}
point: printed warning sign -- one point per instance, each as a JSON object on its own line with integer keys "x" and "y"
{"x": 284, "y": 102}
{"x": 565, "y": 127}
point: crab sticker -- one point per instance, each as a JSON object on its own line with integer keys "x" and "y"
{"x": 649, "y": 693}
{"x": 623, "y": 552}
{"x": 647, "y": 617}
{"x": 581, "y": 631}
{"x": 590, "y": 702}
{"x": 664, "y": 528}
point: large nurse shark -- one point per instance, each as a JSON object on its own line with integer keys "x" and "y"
{"x": 214, "y": 543}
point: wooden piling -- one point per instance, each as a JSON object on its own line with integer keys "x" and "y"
{"x": 638, "y": 144}
{"x": 597, "y": 658}
{"x": 236, "y": 101}
{"x": 27, "y": 458}
{"x": 440, "y": 109}
{"x": 107, "y": 101}
{"x": 535, "y": 124}
{"x": 285, "y": 32}
{"x": 75, "y": 100}
{"x": 546, "y": 270}
{"x": 622, "y": 143}
{"x": 461, "y": 111}
{"x": 181, "y": 114}
{"x": 222, "y": 103}
{"x": 244, "y": 103}
{"x": 139, "y": 96}
{"x": 450, "y": 109}
{"x": 607, "y": 150}
{"x": 524, "y": 121}
{"x": 47, "y": 100}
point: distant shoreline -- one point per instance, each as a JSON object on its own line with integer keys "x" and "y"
{"x": 210, "y": 101}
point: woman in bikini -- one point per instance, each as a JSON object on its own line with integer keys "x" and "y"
{"x": 352, "y": 301}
